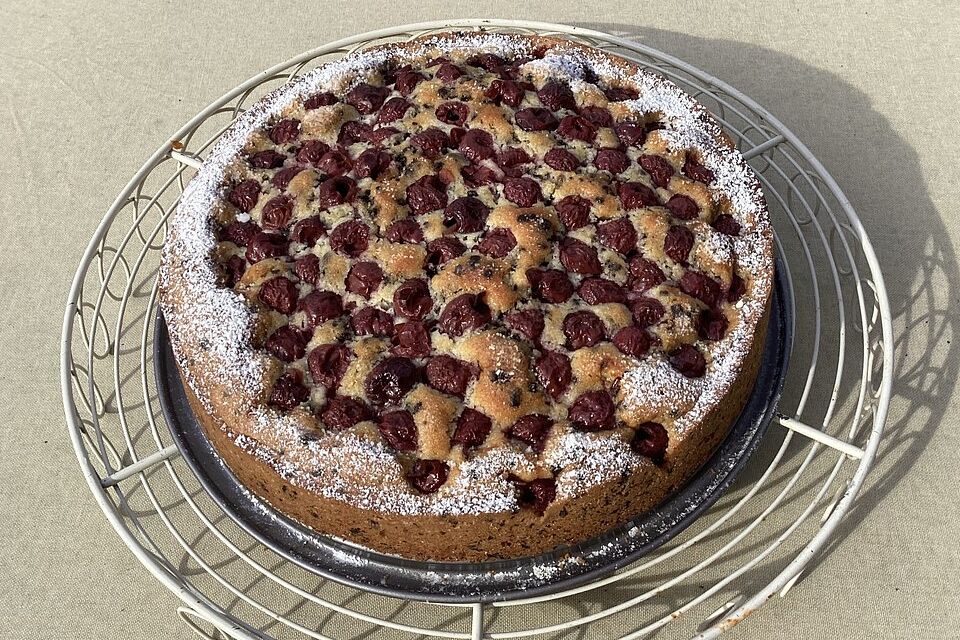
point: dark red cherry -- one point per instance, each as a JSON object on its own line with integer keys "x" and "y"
{"x": 592, "y": 411}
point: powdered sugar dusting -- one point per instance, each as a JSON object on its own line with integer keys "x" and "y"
{"x": 655, "y": 386}
{"x": 204, "y": 318}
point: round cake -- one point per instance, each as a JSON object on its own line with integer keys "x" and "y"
{"x": 469, "y": 297}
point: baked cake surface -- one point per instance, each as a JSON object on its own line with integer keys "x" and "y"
{"x": 472, "y": 296}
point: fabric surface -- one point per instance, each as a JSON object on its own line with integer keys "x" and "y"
{"x": 90, "y": 90}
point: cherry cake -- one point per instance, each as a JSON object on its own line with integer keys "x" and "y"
{"x": 468, "y": 297}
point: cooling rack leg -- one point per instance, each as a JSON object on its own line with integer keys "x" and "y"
{"x": 476, "y": 629}
{"x": 191, "y": 618}
{"x": 760, "y": 148}
{"x": 122, "y": 474}
{"x": 813, "y": 433}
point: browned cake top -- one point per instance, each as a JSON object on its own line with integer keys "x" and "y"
{"x": 468, "y": 273}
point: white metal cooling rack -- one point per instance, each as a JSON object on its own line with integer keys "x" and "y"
{"x": 753, "y": 544}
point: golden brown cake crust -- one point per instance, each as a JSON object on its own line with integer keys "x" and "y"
{"x": 354, "y": 480}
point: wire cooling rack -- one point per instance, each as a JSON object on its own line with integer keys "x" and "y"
{"x": 754, "y": 544}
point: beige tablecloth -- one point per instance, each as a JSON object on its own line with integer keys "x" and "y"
{"x": 89, "y": 90}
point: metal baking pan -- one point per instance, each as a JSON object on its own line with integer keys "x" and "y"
{"x": 501, "y": 580}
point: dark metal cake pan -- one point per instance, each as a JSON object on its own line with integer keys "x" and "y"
{"x": 501, "y": 580}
